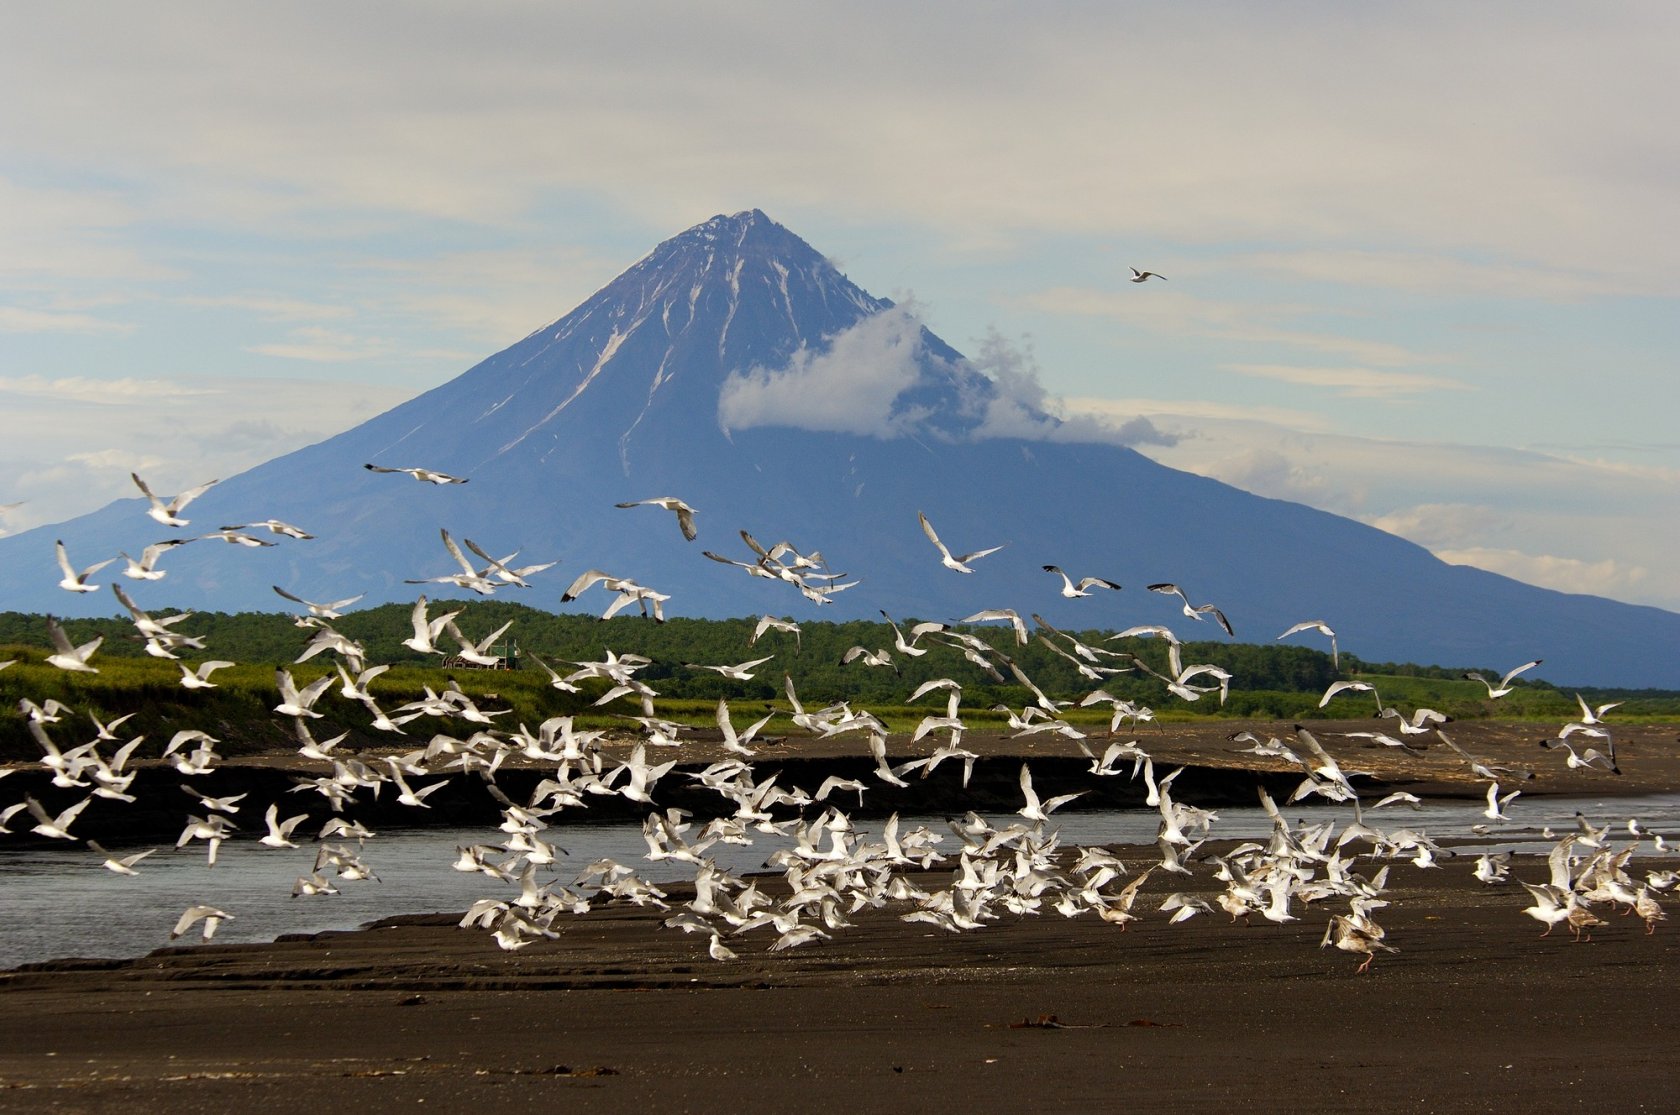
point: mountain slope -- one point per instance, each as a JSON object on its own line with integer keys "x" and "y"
{"x": 736, "y": 368}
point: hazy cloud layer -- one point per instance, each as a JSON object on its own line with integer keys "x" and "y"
{"x": 1018, "y": 404}
{"x": 18, "y": 319}
{"x": 1355, "y": 383}
{"x": 71, "y": 444}
{"x": 1115, "y": 119}
{"x": 1243, "y": 321}
{"x": 1571, "y": 524}
{"x": 1426, "y": 222}
{"x": 1607, "y": 577}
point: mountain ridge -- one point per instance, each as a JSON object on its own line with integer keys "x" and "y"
{"x": 735, "y": 367}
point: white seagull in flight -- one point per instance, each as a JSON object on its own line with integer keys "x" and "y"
{"x": 74, "y": 581}
{"x": 946, "y": 558}
{"x": 685, "y": 513}
{"x": 1085, "y": 585}
{"x": 169, "y": 514}
{"x": 424, "y": 475}
{"x": 1194, "y": 611}
{"x": 68, "y": 657}
{"x": 1322, "y": 628}
{"x": 1504, "y": 686}
{"x": 330, "y": 610}
{"x": 146, "y": 569}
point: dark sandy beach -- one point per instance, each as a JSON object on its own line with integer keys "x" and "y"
{"x": 1476, "y": 1012}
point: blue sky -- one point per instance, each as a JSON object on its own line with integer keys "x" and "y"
{"x": 1423, "y": 259}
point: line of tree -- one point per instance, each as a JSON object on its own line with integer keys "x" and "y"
{"x": 812, "y": 660}
{"x": 1271, "y": 682}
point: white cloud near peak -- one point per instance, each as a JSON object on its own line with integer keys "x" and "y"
{"x": 851, "y": 387}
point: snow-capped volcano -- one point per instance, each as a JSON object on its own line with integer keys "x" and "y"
{"x": 691, "y": 342}
{"x": 734, "y": 367}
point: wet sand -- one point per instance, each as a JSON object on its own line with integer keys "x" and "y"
{"x": 1477, "y": 1012}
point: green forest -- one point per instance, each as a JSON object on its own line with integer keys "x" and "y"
{"x": 1270, "y": 682}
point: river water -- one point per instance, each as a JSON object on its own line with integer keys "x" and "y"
{"x": 60, "y": 902}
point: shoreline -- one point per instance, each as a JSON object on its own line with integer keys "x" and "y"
{"x": 1218, "y": 773}
{"x": 1475, "y": 1012}
{"x": 1062, "y": 1014}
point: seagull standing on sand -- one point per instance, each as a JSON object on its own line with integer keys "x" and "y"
{"x": 1350, "y": 935}
{"x": 1493, "y": 867}
{"x": 1551, "y": 904}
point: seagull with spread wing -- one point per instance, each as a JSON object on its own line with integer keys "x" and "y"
{"x": 685, "y": 513}
{"x": 1083, "y": 588}
{"x": 75, "y": 581}
{"x": 1194, "y": 611}
{"x": 1322, "y": 628}
{"x": 320, "y": 611}
{"x": 169, "y": 514}
{"x": 946, "y": 558}
{"x": 424, "y": 475}
{"x": 1504, "y": 686}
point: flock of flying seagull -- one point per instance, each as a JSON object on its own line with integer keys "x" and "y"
{"x": 977, "y": 871}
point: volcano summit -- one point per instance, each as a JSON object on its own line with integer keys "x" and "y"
{"x": 738, "y": 370}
